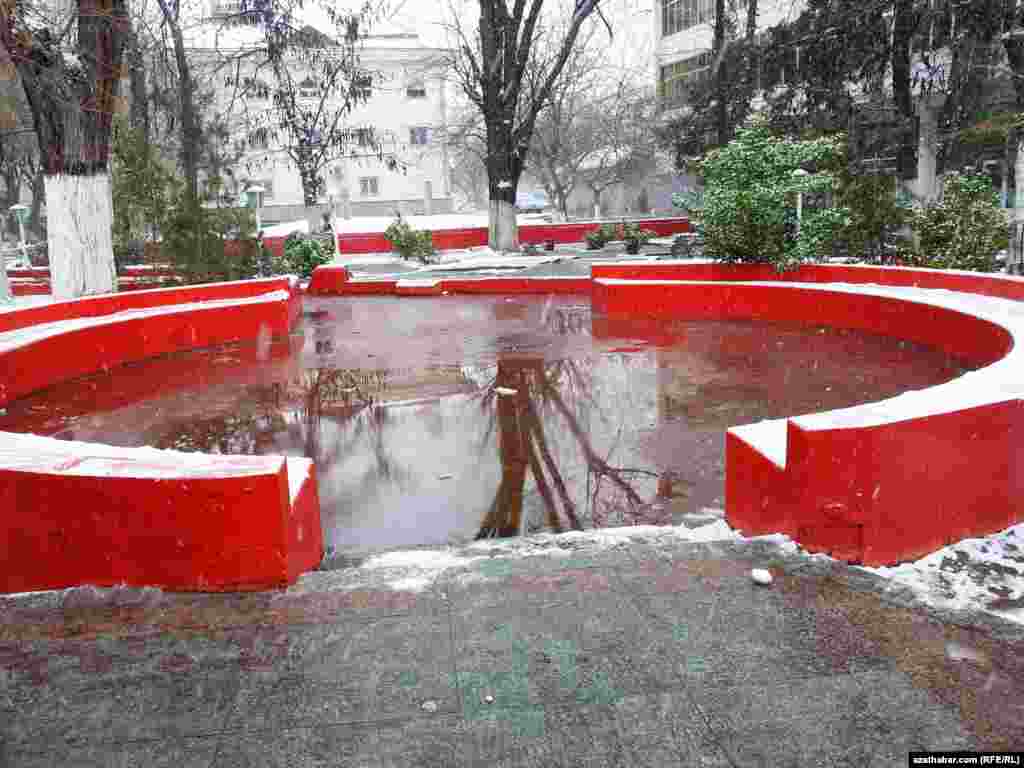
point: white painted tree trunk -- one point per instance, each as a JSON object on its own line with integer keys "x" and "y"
{"x": 5, "y": 286}
{"x": 79, "y": 214}
{"x": 502, "y": 231}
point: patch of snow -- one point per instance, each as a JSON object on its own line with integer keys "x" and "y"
{"x": 299, "y": 470}
{"x": 286, "y": 228}
{"x": 35, "y": 453}
{"x": 506, "y": 391}
{"x": 768, "y": 437}
{"x": 984, "y": 573}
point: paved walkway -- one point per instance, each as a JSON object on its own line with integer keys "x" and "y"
{"x": 548, "y": 652}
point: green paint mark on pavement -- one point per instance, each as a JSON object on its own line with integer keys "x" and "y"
{"x": 496, "y": 568}
{"x": 600, "y": 692}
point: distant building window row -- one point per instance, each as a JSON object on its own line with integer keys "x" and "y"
{"x": 231, "y": 11}
{"x": 677, "y": 15}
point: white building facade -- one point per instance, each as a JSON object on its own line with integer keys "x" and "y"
{"x": 395, "y": 157}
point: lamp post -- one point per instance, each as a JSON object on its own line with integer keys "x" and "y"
{"x": 799, "y": 173}
{"x": 254, "y": 199}
{"x": 20, "y": 211}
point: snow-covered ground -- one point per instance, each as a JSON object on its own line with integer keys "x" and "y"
{"x": 986, "y": 573}
{"x": 975, "y": 575}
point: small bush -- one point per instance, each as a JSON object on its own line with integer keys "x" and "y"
{"x": 963, "y": 230}
{"x": 304, "y": 254}
{"x": 634, "y": 236}
{"x": 600, "y": 237}
{"x": 408, "y": 242}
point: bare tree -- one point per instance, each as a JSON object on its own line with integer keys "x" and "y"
{"x": 508, "y": 67}
{"x": 71, "y": 81}
{"x": 467, "y": 140}
{"x": 558, "y": 150}
{"x": 619, "y": 140}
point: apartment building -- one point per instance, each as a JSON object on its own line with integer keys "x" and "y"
{"x": 684, "y": 34}
{"x": 395, "y": 157}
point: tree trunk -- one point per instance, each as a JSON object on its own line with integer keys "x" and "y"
{"x": 308, "y": 176}
{"x": 38, "y": 196}
{"x": 902, "y": 32}
{"x": 190, "y": 131}
{"x": 79, "y": 215}
{"x": 503, "y": 172}
{"x": 139, "y": 114}
{"x": 597, "y": 203}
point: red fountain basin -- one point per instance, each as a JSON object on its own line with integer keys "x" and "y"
{"x": 877, "y": 483}
{"x": 882, "y": 482}
{"x": 79, "y": 513}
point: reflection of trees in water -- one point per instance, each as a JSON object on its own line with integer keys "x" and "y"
{"x": 528, "y": 394}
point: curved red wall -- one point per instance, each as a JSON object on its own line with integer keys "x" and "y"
{"x": 875, "y": 489}
{"x": 75, "y": 513}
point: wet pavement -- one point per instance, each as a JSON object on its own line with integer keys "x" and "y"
{"x": 586, "y": 649}
{"x": 486, "y": 416}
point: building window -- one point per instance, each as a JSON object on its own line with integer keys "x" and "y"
{"x": 362, "y": 87}
{"x": 363, "y": 137}
{"x": 677, "y": 81}
{"x": 416, "y": 91}
{"x": 369, "y": 186}
{"x": 309, "y": 89}
{"x": 677, "y": 15}
{"x": 259, "y": 139}
{"x": 419, "y": 136}
{"x": 256, "y": 89}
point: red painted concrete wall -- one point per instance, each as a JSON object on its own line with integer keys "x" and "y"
{"x": 474, "y": 237}
{"x": 209, "y": 534}
{"x": 876, "y": 494}
{"x": 144, "y": 520}
{"x": 334, "y": 281}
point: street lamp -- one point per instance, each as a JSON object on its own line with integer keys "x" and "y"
{"x": 20, "y": 211}
{"x": 254, "y": 199}
{"x": 799, "y": 173}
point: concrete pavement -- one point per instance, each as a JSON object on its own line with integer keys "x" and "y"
{"x": 550, "y": 651}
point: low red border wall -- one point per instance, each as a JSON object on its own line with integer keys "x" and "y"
{"x": 335, "y": 281}
{"x": 475, "y": 237}
{"x": 877, "y": 490}
{"x": 78, "y": 514}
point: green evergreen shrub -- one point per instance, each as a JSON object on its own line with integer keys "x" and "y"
{"x": 408, "y": 242}
{"x": 302, "y": 255}
{"x": 748, "y": 209}
{"x": 963, "y": 230}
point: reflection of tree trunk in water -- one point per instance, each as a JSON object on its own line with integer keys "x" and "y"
{"x": 522, "y": 445}
{"x": 505, "y": 515}
{"x": 311, "y": 418}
